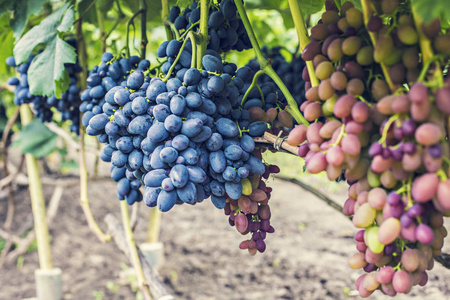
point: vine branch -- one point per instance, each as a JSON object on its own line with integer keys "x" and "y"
{"x": 265, "y": 65}
{"x": 303, "y": 37}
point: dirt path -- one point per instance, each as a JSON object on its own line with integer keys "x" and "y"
{"x": 306, "y": 258}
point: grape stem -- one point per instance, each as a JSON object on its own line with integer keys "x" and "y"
{"x": 37, "y": 200}
{"x": 441, "y": 174}
{"x": 144, "y": 39}
{"x": 367, "y": 12}
{"x": 129, "y": 23}
{"x": 386, "y": 127}
{"x": 303, "y": 37}
{"x": 427, "y": 51}
{"x": 101, "y": 26}
{"x": 340, "y": 136}
{"x": 194, "y": 49}
{"x": 84, "y": 199}
{"x": 264, "y": 64}
{"x": 176, "y": 59}
{"x": 203, "y": 32}
{"x": 250, "y": 88}
{"x": 164, "y": 16}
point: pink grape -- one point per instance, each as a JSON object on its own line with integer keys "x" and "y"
{"x": 343, "y": 106}
{"x": 312, "y": 133}
{"x": 443, "y": 193}
{"x": 410, "y": 260}
{"x": 424, "y": 234}
{"x": 335, "y": 156}
{"x": 317, "y": 163}
{"x": 428, "y": 134}
{"x": 360, "y": 112}
{"x": 327, "y": 130}
{"x": 385, "y": 274}
{"x": 241, "y": 222}
{"x": 377, "y": 198}
{"x": 389, "y": 231}
{"x": 424, "y": 187}
{"x": 351, "y": 144}
{"x": 357, "y": 261}
{"x": 401, "y": 281}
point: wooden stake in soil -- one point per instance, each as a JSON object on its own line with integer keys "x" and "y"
{"x": 37, "y": 201}
{"x": 133, "y": 250}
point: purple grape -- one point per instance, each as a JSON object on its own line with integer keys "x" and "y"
{"x": 435, "y": 150}
{"x": 396, "y": 210}
{"x": 393, "y": 199}
{"x": 415, "y": 211}
{"x": 409, "y": 128}
{"x": 260, "y": 245}
{"x": 406, "y": 220}
{"x": 409, "y": 148}
{"x": 386, "y": 153}
{"x": 397, "y": 154}
{"x": 390, "y": 249}
{"x": 375, "y": 149}
{"x": 370, "y": 268}
{"x": 398, "y": 133}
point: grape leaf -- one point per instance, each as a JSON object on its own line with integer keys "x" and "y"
{"x": 311, "y": 6}
{"x": 46, "y": 75}
{"x": 5, "y": 5}
{"x": 7, "y": 42}
{"x": 36, "y": 139}
{"x": 428, "y": 11}
{"x": 23, "y": 9}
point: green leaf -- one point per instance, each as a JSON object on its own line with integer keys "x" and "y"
{"x": 311, "y": 6}
{"x": 36, "y": 139}
{"x": 23, "y": 9}
{"x": 89, "y": 16}
{"x": 429, "y": 11}
{"x": 5, "y": 5}
{"x": 7, "y": 42}
{"x": 47, "y": 74}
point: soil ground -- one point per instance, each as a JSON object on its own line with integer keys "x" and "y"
{"x": 306, "y": 258}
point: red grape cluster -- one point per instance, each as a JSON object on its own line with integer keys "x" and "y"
{"x": 391, "y": 148}
{"x": 251, "y": 212}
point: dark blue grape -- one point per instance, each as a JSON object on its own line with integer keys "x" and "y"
{"x": 180, "y": 142}
{"x": 123, "y": 187}
{"x": 227, "y": 127}
{"x": 140, "y": 125}
{"x": 168, "y": 154}
{"x": 157, "y": 133}
{"x": 177, "y": 104}
{"x": 212, "y": 64}
{"x": 135, "y": 159}
{"x": 135, "y": 80}
{"x": 214, "y": 143}
{"x": 119, "y": 159}
{"x": 218, "y": 161}
{"x": 191, "y": 127}
{"x": 154, "y": 178}
{"x": 151, "y": 196}
{"x": 173, "y": 123}
{"x": 257, "y": 128}
{"x": 98, "y": 122}
{"x": 161, "y": 112}
{"x": 233, "y": 152}
{"x": 233, "y": 190}
{"x": 188, "y": 193}
{"x": 166, "y": 200}
{"x": 179, "y": 175}
{"x": 219, "y": 202}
